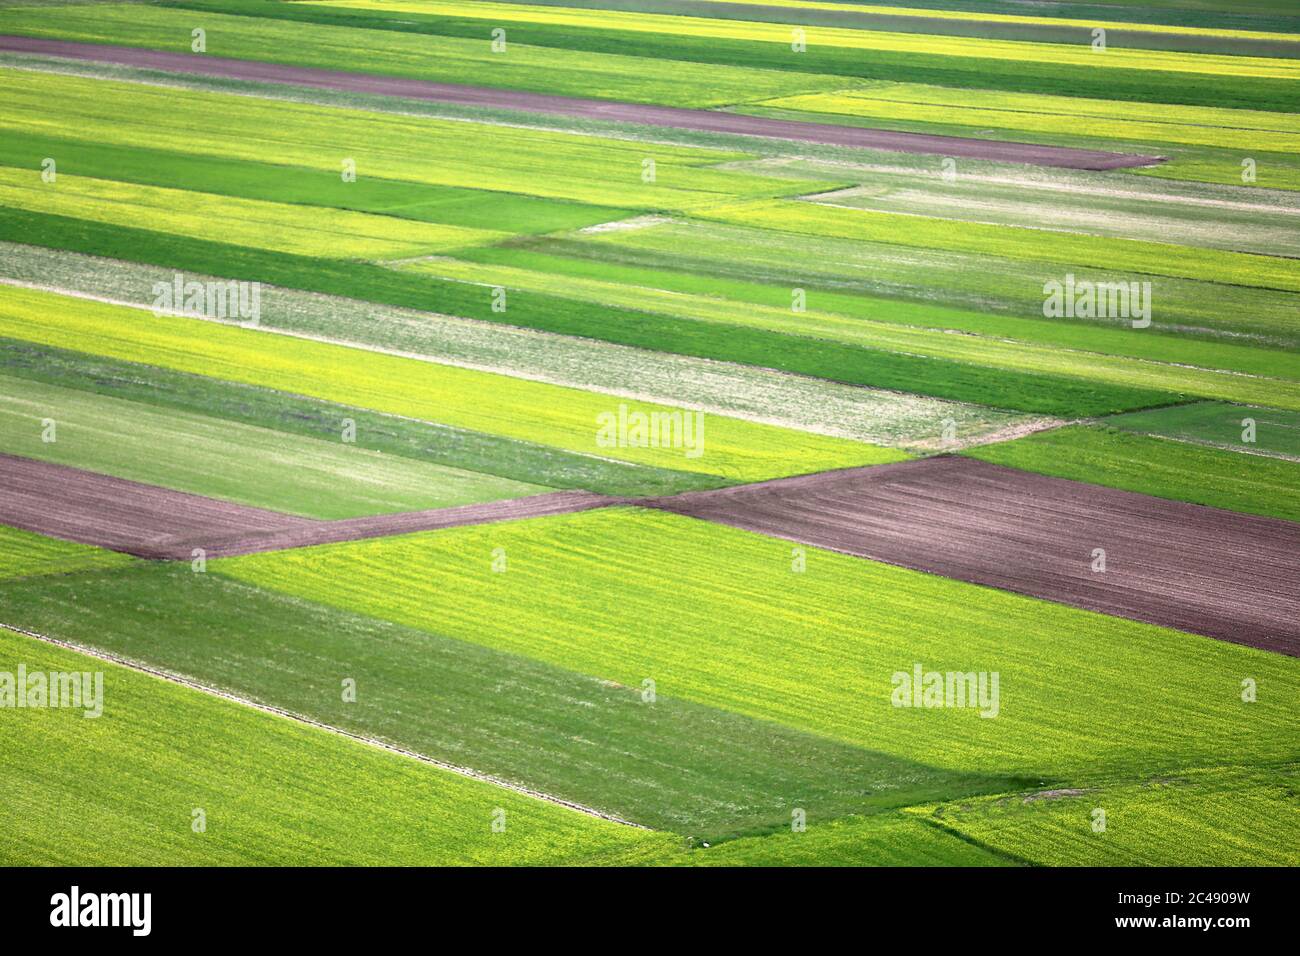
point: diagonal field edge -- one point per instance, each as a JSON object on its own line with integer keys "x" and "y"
{"x": 311, "y": 722}
{"x": 609, "y": 110}
{"x": 158, "y": 523}
{"x": 1235, "y": 577}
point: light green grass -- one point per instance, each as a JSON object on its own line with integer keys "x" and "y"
{"x": 715, "y": 615}
{"x": 403, "y": 148}
{"x": 976, "y": 282}
{"x": 224, "y": 459}
{"x": 121, "y": 789}
{"x": 698, "y": 771}
{"x": 1100, "y": 252}
{"x": 1162, "y": 467}
{"x": 1228, "y": 817}
{"x": 1068, "y": 115}
{"x": 896, "y": 839}
{"x": 460, "y": 449}
{"x": 23, "y": 553}
{"x": 498, "y": 404}
{"x": 458, "y": 60}
{"x": 1275, "y": 432}
{"x": 369, "y": 193}
{"x": 918, "y": 339}
{"x": 877, "y": 416}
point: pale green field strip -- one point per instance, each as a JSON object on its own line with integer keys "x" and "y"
{"x": 460, "y": 449}
{"x": 413, "y": 149}
{"x": 875, "y": 416}
{"x": 498, "y": 404}
{"x": 894, "y": 839}
{"x": 931, "y": 342}
{"x": 121, "y": 789}
{"x": 224, "y": 459}
{"x": 624, "y": 595}
{"x": 865, "y": 40}
{"x": 304, "y": 230}
{"x": 1163, "y": 467}
{"x": 1115, "y": 211}
{"x": 992, "y": 284}
{"x": 543, "y": 69}
{"x": 1273, "y": 170}
{"x": 1249, "y": 130}
{"x": 23, "y": 553}
{"x": 1227, "y": 817}
{"x": 1151, "y": 258}
{"x": 702, "y": 773}
{"x": 1272, "y": 431}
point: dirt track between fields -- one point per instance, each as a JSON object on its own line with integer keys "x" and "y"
{"x": 664, "y": 116}
{"x": 152, "y": 522}
{"x": 1225, "y": 575}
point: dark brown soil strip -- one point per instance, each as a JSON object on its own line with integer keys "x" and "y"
{"x": 152, "y": 522}
{"x": 1230, "y": 576}
{"x": 121, "y": 515}
{"x": 377, "y": 526}
{"x": 666, "y": 116}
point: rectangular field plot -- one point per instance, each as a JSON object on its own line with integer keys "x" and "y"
{"x": 699, "y": 771}
{"x": 606, "y": 75}
{"x": 1163, "y": 467}
{"x": 530, "y": 411}
{"x": 1259, "y": 431}
{"x": 310, "y": 231}
{"x": 24, "y": 553}
{"x": 1216, "y": 817}
{"x": 625, "y": 595}
{"x": 223, "y": 459}
{"x": 401, "y": 148}
{"x": 267, "y": 789}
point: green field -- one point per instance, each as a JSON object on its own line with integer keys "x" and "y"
{"x": 24, "y": 554}
{"x": 1260, "y": 431}
{"x": 699, "y": 771}
{"x": 812, "y": 651}
{"x": 524, "y": 410}
{"x": 476, "y": 293}
{"x": 1197, "y": 818}
{"x": 267, "y": 788}
{"x": 1158, "y": 466}
{"x": 525, "y": 463}
{"x": 750, "y": 392}
{"x": 259, "y": 466}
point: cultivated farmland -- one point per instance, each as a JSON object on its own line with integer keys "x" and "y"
{"x": 650, "y": 433}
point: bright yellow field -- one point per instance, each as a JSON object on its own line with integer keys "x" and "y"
{"x": 1190, "y": 125}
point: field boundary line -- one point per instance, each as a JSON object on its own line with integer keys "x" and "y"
{"x": 192, "y": 684}
{"x": 672, "y": 117}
